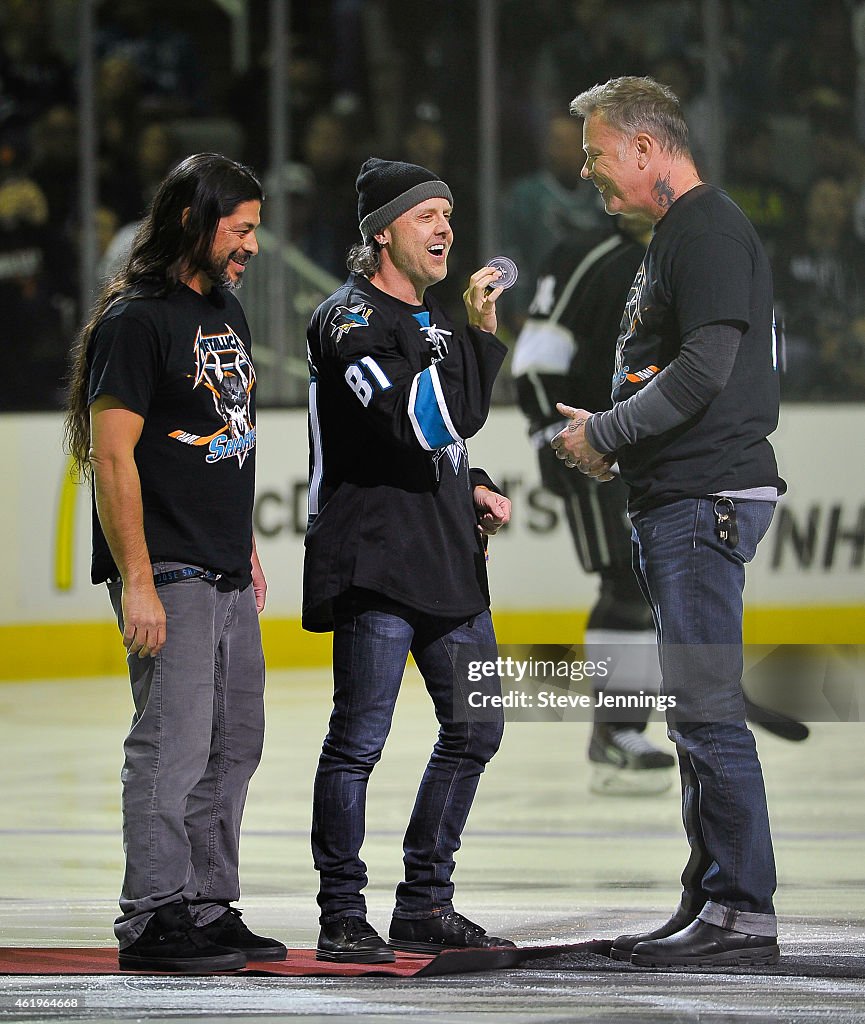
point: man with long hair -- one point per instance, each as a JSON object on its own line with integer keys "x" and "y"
{"x": 696, "y": 395}
{"x": 162, "y": 421}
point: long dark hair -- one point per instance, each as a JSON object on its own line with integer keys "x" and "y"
{"x": 166, "y": 245}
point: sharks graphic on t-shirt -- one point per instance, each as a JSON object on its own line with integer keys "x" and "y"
{"x": 223, "y": 366}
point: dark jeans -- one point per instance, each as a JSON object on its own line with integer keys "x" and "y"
{"x": 370, "y": 649}
{"x": 694, "y": 583}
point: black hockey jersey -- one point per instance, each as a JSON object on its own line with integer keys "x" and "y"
{"x": 566, "y": 349}
{"x": 395, "y": 391}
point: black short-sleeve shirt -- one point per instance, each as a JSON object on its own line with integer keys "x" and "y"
{"x": 183, "y": 362}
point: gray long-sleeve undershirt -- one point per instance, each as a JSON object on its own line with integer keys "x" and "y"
{"x": 697, "y": 375}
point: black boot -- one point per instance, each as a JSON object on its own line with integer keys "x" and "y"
{"x": 350, "y": 940}
{"x": 444, "y": 931}
{"x": 623, "y": 946}
{"x": 706, "y": 945}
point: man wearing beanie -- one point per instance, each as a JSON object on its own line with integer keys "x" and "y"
{"x": 395, "y": 551}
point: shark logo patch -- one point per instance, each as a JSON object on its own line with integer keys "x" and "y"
{"x": 347, "y": 317}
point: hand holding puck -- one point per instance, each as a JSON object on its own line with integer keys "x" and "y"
{"x": 507, "y": 269}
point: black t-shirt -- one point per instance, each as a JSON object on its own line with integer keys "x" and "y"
{"x": 395, "y": 391}
{"x": 183, "y": 362}
{"x": 704, "y": 265}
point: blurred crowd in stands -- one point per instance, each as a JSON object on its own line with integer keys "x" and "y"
{"x": 385, "y": 77}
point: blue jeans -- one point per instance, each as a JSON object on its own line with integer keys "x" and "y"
{"x": 195, "y": 741}
{"x": 370, "y": 649}
{"x": 694, "y": 583}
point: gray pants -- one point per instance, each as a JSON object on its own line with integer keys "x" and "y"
{"x": 195, "y": 741}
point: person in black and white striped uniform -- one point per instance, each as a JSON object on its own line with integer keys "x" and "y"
{"x": 566, "y": 349}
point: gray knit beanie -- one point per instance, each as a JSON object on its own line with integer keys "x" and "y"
{"x": 386, "y": 189}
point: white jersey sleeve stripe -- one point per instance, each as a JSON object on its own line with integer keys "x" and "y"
{"x": 377, "y": 372}
{"x": 317, "y": 469}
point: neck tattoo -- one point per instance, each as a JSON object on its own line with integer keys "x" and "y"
{"x": 663, "y": 192}
{"x": 665, "y": 195}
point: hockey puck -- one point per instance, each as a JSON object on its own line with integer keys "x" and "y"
{"x": 508, "y": 270}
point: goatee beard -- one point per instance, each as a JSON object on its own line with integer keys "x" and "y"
{"x": 220, "y": 277}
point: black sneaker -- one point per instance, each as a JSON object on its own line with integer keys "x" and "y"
{"x": 444, "y": 931}
{"x": 171, "y": 942}
{"x": 350, "y": 940}
{"x": 229, "y": 930}
{"x": 626, "y": 763}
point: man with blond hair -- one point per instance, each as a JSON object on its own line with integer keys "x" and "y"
{"x": 395, "y": 551}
